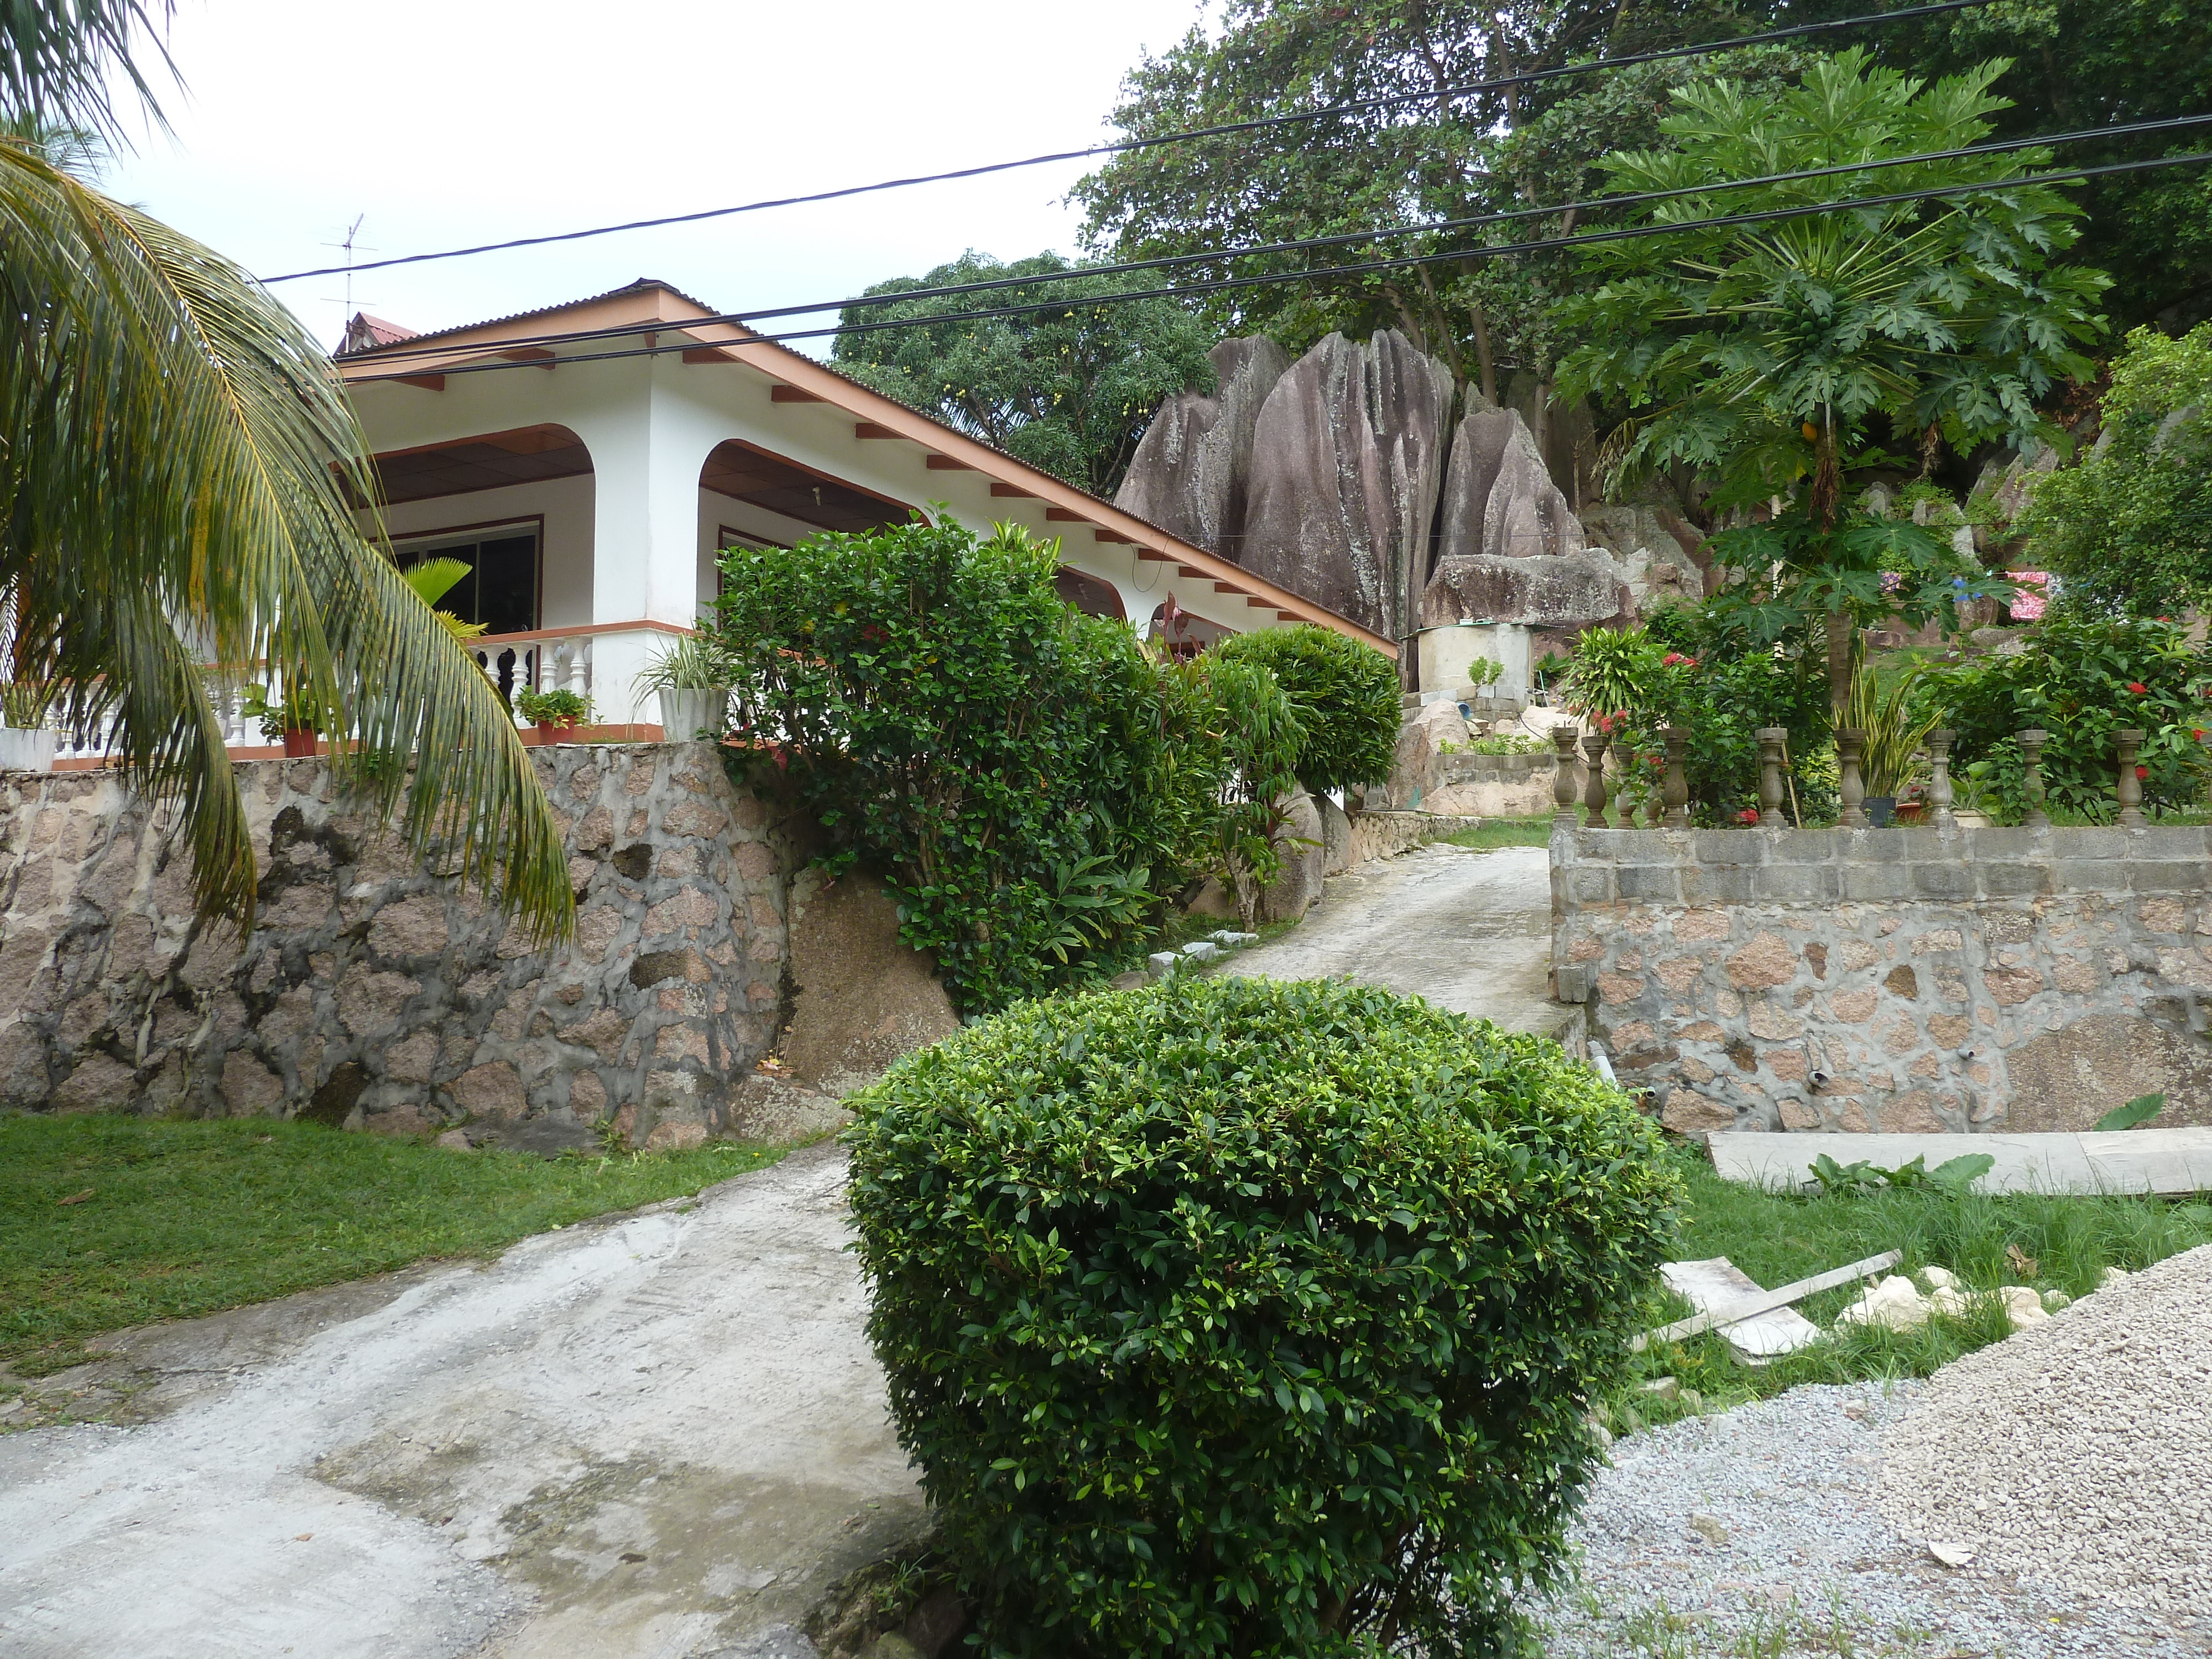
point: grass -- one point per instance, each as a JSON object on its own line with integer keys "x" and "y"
{"x": 1493, "y": 833}
{"x": 1777, "y": 1239}
{"x": 112, "y": 1221}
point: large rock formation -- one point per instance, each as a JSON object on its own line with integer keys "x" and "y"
{"x": 1499, "y": 498}
{"x": 1346, "y": 460}
{"x": 1189, "y": 473}
{"x": 1512, "y": 549}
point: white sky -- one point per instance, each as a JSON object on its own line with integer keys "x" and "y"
{"x": 451, "y": 122}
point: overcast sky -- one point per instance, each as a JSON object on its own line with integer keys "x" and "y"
{"x": 449, "y": 122}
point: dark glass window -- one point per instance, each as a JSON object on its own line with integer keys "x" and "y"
{"x": 500, "y": 591}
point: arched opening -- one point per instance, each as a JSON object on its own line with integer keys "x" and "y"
{"x": 527, "y": 547}
{"x": 1088, "y": 594}
{"x": 746, "y": 472}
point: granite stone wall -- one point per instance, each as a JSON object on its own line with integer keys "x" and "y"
{"x": 373, "y": 992}
{"x": 1893, "y": 980}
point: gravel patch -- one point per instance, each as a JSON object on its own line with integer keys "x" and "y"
{"x": 2077, "y": 1455}
{"x": 1760, "y": 1532}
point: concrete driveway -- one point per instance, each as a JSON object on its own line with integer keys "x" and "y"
{"x": 1469, "y": 931}
{"x": 659, "y": 1436}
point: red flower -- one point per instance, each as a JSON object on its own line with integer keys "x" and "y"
{"x": 1749, "y": 815}
{"x": 2142, "y": 772}
{"x": 2137, "y": 687}
{"x": 2197, "y": 732}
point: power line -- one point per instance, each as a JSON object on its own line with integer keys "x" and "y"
{"x": 1620, "y": 234}
{"x": 1311, "y": 243}
{"x": 1529, "y": 78}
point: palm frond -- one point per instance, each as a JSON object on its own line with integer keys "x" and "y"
{"x": 177, "y": 448}
{"x": 59, "y": 58}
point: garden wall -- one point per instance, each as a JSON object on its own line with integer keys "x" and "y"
{"x": 372, "y": 991}
{"x": 1893, "y": 980}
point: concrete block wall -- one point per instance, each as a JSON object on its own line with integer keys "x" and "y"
{"x": 1893, "y": 980}
{"x": 373, "y": 992}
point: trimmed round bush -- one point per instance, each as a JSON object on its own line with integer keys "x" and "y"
{"x": 1345, "y": 694}
{"x": 1241, "y": 1317}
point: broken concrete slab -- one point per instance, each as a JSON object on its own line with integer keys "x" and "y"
{"x": 1716, "y": 1285}
{"x": 2168, "y": 1161}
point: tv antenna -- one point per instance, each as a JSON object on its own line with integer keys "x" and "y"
{"x": 351, "y": 245}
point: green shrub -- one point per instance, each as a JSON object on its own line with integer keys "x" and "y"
{"x": 1240, "y": 1317}
{"x": 2080, "y": 680}
{"x": 1345, "y": 697}
{"x": 1696, "y": 667}
{"x": 1025, "y": 777}
{"x": 2130, "y": 528}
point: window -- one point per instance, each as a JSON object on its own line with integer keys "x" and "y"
{"x": 501, "y": 590}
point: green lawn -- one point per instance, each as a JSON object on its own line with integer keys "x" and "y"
{"x": 1777, "y": 1239}
{"x": 172, "y": 1218}
{"x": 1493, "y": 833}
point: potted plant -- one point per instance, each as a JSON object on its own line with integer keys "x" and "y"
{"x": 693, "y": 686}
{"x": 555, "y": 714}
{"x": 27, "y": 742}
{"x": 295, "y": 729}
{"x": 1894, "y": 728}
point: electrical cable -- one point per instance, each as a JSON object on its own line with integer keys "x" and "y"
{"x": 1623, "y": 233}
{"x": 400, "y": 353}
{"x": 1528, "y": 78}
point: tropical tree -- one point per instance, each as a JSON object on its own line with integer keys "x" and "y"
{"x": 176, "y": 463}
{"x": 2129, "y": 530}
{"x": 2086, "y": 66}
{"x": 1429, "y": 158}
{"x": 1777, "y": 357}
{"x": 1067, "y": 385}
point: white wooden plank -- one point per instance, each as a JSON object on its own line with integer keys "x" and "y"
{"x": 1682, "y": 1329}
{"x": 1717, "y": 1286}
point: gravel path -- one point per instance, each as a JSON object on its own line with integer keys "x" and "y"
{"x": 2077, "y": 1455}
{"x": 1712, "y": 1537}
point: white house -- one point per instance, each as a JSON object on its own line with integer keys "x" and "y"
{"x": 590, "y": 460}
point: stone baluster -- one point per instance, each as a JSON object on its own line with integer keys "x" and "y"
{"x": 1771, "y": 739}
{"x": 2031, "y": 760}
{"x": 2130, "y": 743}
{"x": 1850, "y": 741}
{"x": 1566, "y": 784}
{"x": 1594, "y": 747}
{"x": 1678, "y": 778}
{"x": 1939, "y": 779}
{"x": 1624, "y": 773}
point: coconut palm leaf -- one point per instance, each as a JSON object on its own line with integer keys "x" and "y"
{"x": 176, "y": 459}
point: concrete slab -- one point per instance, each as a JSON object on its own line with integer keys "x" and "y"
{"x": 656, "y": 1436}
{"x": 2169, "y": 1162}
{"x": 1718, "y": 1283}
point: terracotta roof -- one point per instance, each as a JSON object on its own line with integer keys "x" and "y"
{"x": 365, "y": 333}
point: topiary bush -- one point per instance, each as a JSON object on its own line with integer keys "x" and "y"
{"x": 1241, "y": 1317}
{"x": 1344, "y": 695}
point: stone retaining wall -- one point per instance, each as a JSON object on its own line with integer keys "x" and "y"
{"x": 373, "y": 992}
{"x": 1893, "y": 980}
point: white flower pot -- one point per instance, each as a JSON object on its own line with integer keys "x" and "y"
{"x": 685, "y": 713}
{"x": 28, "y": 748}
